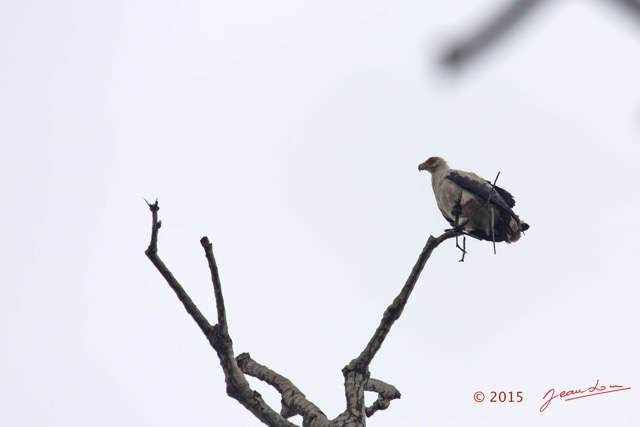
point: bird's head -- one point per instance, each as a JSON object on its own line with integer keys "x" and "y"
{"x": 432, "y": 164}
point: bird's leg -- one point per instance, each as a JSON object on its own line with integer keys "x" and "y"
{"x": 456, "y": 211}
{"x": 463, "y": 248}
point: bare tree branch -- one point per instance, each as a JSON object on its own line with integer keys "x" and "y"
{"x": 294, "y": 402}
{"x": 217, "y": 286}
{"x": 152, "y": 254}
{"x": 386, "y": 393}
{"x": 356, "y": 373}
{"x": 394, "y": 311}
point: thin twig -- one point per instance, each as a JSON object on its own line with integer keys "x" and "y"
{"x": 493, "y": 230}
{"x": 460, "y": 227}
{"x": 486, "y": 203}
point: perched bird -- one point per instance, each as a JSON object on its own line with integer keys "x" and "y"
{"x": 471, "y": 198}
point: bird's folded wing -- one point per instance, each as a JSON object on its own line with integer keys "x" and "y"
{"x": 482, "y": 188}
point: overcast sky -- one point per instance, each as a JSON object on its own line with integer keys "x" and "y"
{"x": 290, "y": 133}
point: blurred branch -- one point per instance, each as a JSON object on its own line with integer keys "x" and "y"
{"x": 631, "y": 5}
{"x": 462, "y": 52}
{"x": 459, "y": 54}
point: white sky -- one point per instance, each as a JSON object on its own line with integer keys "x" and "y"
{"x": 290, "y": 133}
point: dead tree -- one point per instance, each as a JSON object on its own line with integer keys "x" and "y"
{"x": 357, "y": 378}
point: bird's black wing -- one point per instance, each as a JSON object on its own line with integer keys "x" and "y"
{"x": 505, "y": 195}
{"x": 482, "y": 189}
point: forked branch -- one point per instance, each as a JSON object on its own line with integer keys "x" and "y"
{"x": 237, "y": 385}
{"x": 294, "y": 402}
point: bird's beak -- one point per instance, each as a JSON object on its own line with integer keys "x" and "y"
{"x": 422, "y": 167}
